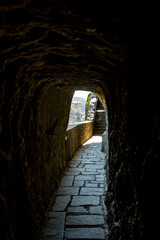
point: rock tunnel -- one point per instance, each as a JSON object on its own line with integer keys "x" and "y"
{"x": 48, "y": 50}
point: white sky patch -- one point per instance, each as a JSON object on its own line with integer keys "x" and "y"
{"x": 81, "y": 94}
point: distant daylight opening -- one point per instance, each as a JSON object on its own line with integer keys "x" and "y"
{"x": 82, "y": 108}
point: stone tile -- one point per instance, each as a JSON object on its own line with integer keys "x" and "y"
{"x": 88, "y": 157}
{"x": 100, "y": 181}
{"x": 68, "y": 191}
{"x": 83, "y": 160}
{"x": 77, "y": 210}
{"x": 85, "y": 200}
{"x": 90, "y": 169}
{"x": 67, "y": 181}
{"x": 91, "y": 182}
{"x": 59, "y": 215}
{"x": 96, "y": 159}
{"x": 91, "y": 191}
{"x": 85, "y": 233}
{"x": 96, "y": 210}
{"x": 61, "y": 203}
{"x": 90, "y": 185}
{"x": 55, "y": 226}
{"x": 99, "y": 152}
{"x": 101, "y": 171}
{"x": 78, "y": 183}
{"x": 81, "y": 220}
{"x": 89, "y": 166}
{"x": 100, "y": 163}
{"x": 102, "y": 200}
{"x": 84, "y": 177}
{"x": 81, "y": 165}
{"x": 89, "y": 173}
{"x": 100, "y": 177}
{"x": 86, "y": 162}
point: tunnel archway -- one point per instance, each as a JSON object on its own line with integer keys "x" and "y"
{"x": 92, "y": 121}
{"x": 58, "y": 150}
{"x": 46, "y": 55}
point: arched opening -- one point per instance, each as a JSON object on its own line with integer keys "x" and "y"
{"x": 79, "y": 200}
{"x": 82, "y": 109}
{"x": 79, "y": 205}
{"x": 87, "y": 111}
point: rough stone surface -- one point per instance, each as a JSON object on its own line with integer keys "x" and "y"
{"x": 79, "y": 183}
{"x": 85, "y": 233}
{"x": 68, "y": 191}
{"x": 92, "y": 191}
{"x": 85, "y": 210}
{"x": 96, "y": 210}
{"x": 61, "y": 203}
{"x": 49, "y": 49}
{"x": 84, "y": 177}
{"x": 85, "y": 200}
{"x": 67, "y": 181}
{"x": 55, "y": 226}
{"x": 89, "y": 220}
{"x": 77, "y": 210}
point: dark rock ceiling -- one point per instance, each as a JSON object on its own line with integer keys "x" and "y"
{"x": 59, "y": 40}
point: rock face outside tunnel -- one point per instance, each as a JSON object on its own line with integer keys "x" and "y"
{"x": 47, "y": 51}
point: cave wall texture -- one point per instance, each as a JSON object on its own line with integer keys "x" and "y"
{"x": 48, "y": 50}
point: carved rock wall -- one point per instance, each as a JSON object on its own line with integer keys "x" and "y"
{"x": 48, "y": 50}
{"x": 75, "y": 137}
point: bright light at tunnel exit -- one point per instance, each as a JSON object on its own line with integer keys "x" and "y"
{"x": 81, "y": 94}
{"x": 94, "y": 139}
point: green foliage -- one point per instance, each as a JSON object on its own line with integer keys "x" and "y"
{"x": 87, "y": 105}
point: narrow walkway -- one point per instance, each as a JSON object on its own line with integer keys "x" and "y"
{"x": 79, "y": 210}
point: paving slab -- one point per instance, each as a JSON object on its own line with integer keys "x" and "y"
{"x": 89, "y": 173}
{"x": 85, "y": 233}
{"x": 61, "y": 203}
{"x": 77, "y": 210}
{"x": 96, "y": 210}
{"x": 78, "y": 183}
{"x": 64, "y": 191}
{"x": 89, "y": 157}
{"x": 55, "y": 226}
{"x": 82, "y": 220}
{"x": 89, "y": 166}
{"x": 90, "y": 185}
{"x": 67, "y": 181}
{"x": 85, "y": 200}
{"x": 91, "y": 191}
{"x": 85, "y": 177}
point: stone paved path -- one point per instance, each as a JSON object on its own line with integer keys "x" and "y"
{"x": 79, "y": 210}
